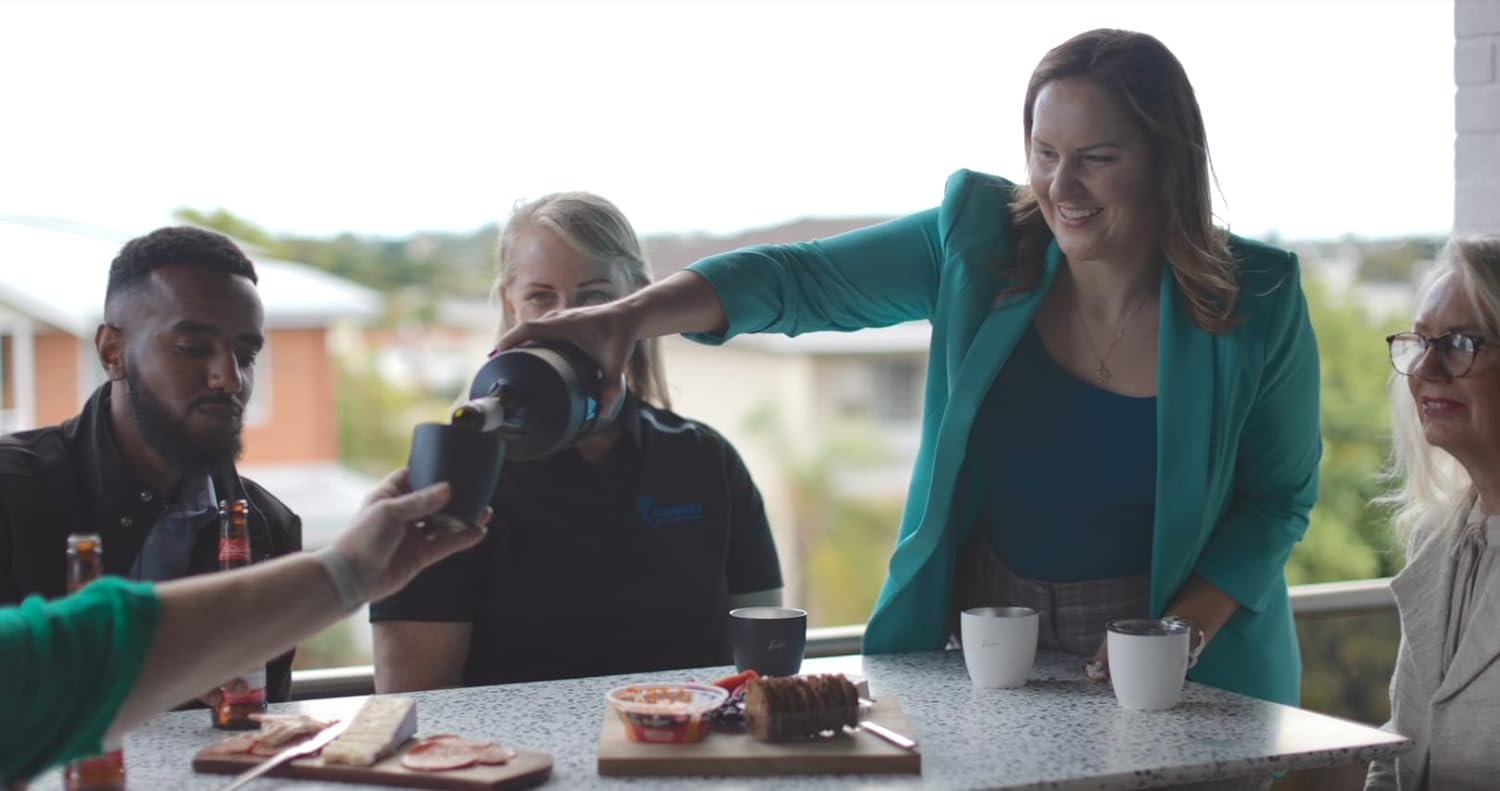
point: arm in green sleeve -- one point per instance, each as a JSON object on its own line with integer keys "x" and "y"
{"x": 1276, "y": 472}
{"x": 66, "y": 667}
{"x": 871, "y": 277}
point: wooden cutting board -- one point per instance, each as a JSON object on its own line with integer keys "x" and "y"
{"x": 742, "y": 754}
{"x": 527, "y": 769}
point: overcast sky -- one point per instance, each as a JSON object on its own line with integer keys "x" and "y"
{"x": 1324, "y": 118}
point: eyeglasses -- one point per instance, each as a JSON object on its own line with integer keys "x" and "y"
{"x": 1457, "y": 351}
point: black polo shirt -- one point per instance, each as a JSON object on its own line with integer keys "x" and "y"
{"x": 617, "y": 567}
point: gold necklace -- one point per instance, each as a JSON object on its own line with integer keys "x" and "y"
{"x": 1102, "y": 371}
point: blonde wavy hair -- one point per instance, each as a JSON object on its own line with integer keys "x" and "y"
{"x": 1149, "y": 82}
{"x": 1433, "y": 491}
{"x": 598, "y": 230}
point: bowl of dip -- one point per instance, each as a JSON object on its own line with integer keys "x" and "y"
{"x": 666, "y": 713}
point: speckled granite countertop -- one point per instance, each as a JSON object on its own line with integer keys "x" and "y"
{"x": 1060, "y": 731}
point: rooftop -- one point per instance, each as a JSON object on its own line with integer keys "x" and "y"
{"x": 56, "y": 271}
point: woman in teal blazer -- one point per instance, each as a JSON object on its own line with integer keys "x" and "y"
{"x": 1115, "y": 219}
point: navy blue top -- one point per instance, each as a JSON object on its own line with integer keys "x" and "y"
{"x": 1068, "y": 470}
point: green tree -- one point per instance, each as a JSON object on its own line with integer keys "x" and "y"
{"x": 845, "y": 562}
{"x": 224, "y": 222}
{"x": 842, "y": 541}
{"x": 1349, "y": 538}
{"x": 1396, "y": 261}
{"x": 415, "y": 273}
{"x": 375, "y": 418}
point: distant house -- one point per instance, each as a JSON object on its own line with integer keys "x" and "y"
{"x": 809, "y": 386}
{"x": 812, "y": 381}
{"x": 438, "y": 358}
{"x": 52, "y": 280}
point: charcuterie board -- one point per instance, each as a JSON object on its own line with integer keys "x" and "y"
{"x": 527, "y": 769}
{"x": 741, "y": 754}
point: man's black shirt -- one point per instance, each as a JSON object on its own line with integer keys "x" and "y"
{"x": 71, "y": 478}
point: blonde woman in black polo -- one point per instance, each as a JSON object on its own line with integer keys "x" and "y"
{"x": 621, "y": 554}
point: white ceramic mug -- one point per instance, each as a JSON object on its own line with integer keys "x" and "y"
{"x": 999, "y": 645}
{"x": 1148, "y": 661}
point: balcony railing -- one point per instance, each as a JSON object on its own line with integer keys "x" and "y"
{"x": 1324, "y": 599}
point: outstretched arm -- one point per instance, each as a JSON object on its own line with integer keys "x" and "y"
{"x": 870, "y": 277}
{"x": 211, "y": 625}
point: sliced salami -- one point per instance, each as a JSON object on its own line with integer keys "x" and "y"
{"x": 495, "y": 754}
{"x": 450, "y": 751}
{"x": 439, "y": 755}
{"x": 486, "y": 752}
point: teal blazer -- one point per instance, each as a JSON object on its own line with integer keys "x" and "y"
{"x": 1238, "y": 442}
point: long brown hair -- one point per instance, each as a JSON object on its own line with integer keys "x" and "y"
{"x": 597, "y": 229}
{"x": 1148, "y": 81}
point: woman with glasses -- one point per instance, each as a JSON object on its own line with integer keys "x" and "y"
{"x": 1445, "y": 693}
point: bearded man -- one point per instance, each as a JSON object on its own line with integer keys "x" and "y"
{"x": 153, "y": 452}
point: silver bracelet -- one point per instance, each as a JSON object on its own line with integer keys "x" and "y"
{"x": 1197, "y": 638}
{"x": 345, "y": 578}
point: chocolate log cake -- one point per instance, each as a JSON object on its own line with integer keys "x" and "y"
{"x": 800, "y": 707}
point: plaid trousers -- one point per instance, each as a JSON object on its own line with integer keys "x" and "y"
{"x": 1071, "y": 616}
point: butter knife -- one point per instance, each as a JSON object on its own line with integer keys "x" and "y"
{"x": 876, "y": 729}
{"x": 297, "y": 750}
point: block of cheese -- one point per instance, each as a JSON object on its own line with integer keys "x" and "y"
{"x": 378, "y": 728}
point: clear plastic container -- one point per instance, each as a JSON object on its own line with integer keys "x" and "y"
{"x": 666, "y": 713}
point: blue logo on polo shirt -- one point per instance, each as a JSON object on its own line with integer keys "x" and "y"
{"x": 658, "y": 515}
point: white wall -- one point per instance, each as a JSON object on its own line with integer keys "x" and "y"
{"x": 1477, "y": 116}
{"x": 810, "y": 393}
{"x": 21, "y": 330}
{"x": 723, "y": 386}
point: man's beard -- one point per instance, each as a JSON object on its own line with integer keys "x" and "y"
{"x": 170, "y": 437}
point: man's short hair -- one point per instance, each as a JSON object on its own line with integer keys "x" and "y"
{"x": 180, "y": 245}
